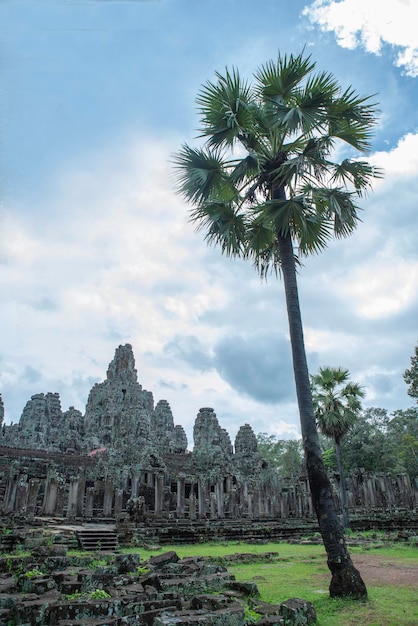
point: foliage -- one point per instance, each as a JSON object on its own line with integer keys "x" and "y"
{"x": 73, "y": 596}
{"x": 411, "y": 376}
{"x": 251, "y": 617}
{"x": 286, "y": 455}
{"x": 97, "y": 563}
{"x": 403, "y": 431}
{"x": 385, "y": 443}
{"x": 336, "y": 401}
{"x": 33, "y": 573}
{"x": 330, "y": 458}
{"x": 99, "y": 594}
{"x": 278, "y": 134}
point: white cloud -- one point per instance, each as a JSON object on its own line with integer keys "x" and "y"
{"x": 401, "y": 161}
{"x": 383, "y": 287}
{"x": 371, "y": 24}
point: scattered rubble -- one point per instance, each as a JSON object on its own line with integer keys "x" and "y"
{"x": 121, "y": 589}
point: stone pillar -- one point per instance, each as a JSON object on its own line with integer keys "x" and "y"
{"x": 192, "y": 506}
{"x": 33, "y": 496}
{"x": 22, "y": 495}
{"x": 72, "y": 498}
{"x": 202, "y": 497}
{"x": 180, "y": 495}
{"x": 245, "y": 501}
{"x": 260, "y": 505}
{"x": 108, "y": 498}
{"x": 80, "y": 493}
{"x": 50, "y": 499}
{"x": 134, "y": 486}
{"x": 10, "y": 495}
{"x": 159, "y": 493}
{"x": 233, "y": 503}
{"x": 61, "y": 497}
{"x": 118, "y": 503}
{"x": 89, "y": 501}
{"x": 250, "y": 505}
{"x": 213, "y": 506}
{"x": 219, "y": 492}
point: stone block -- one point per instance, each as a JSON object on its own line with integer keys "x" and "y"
{"x": 162, "y": 559}
{"x": 296, "y": 608}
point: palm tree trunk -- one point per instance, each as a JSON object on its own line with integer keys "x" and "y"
{"x": 343, "y": 489}
{"x": 346, "y": 580}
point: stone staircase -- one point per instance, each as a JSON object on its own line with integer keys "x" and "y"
{"x": 98, "y": 539}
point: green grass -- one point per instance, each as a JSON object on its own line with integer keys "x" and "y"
{"x": 301, "y": 571}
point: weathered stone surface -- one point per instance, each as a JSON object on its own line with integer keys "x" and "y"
{"x": 161, "y": 560}
{"x": 295, "y": 610}
{"x": 271, "y": 620}
{"x": 125, "y": 563}
{"x": 232, "y": 616}
{"x": 40, "y": 599}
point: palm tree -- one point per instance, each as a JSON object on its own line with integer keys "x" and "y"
{"x": 337, "y": 406}
{"x": 265, "y": 182}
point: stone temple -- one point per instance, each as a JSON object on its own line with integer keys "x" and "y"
{"x": 125, "y": 458}
{"x": 126, "y": 452}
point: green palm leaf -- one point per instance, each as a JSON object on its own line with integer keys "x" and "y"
{"x": 223, "y": 226}
{"x": 226, "y": 109}
{"x": 200, "y": 173}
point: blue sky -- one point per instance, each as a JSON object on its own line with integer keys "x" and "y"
{"x": 96, "y": 249}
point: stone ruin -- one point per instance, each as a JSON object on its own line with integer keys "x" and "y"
{"x": 55, "y": 588}
{"x": 52, "y": 585}
{"x": 125, "y": 460}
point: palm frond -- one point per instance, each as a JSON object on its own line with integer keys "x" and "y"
{"x": 260, "y": 234}
{"x": 226, "y": 109}
{"x": 313, "y": 234}
{"x": 261, "y": 244}
{"x": 354, "y": 134}
{"x": 222, "y": 224}
{"x": 360, "y": 174}
{"x": 246, "y": 168}
{"x": 277, "y": 80}
{"x": 200, "y": 173}
{"x": 267, "y": 261}
{"x": 336, "y": 205}
{"x": 351, "y": 119}
{"x": 336, "y": 401}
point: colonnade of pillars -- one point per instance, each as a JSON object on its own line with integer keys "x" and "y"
{"x": 75, "y": 497}
{"x": 188, "y": 496}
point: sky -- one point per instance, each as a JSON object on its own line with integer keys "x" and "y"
{"x": 97, "y": 250}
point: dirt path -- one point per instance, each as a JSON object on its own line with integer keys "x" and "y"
{"x": 376, "y": 569}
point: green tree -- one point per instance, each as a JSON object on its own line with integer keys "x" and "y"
{"x": 367, "y": 446}
{"x": 379, "y": 442}
{"x": 283, "y": 454}
{"x": 337, "y": 406}
{"x": 264, "y": 183}
{"x": 402, "y": 431}
{"x": 411, "y": 376}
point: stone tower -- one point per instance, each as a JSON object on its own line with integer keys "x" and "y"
{"x": 118, "y": 409}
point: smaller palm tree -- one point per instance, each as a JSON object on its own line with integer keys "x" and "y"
{"x": 337, "y": 406}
